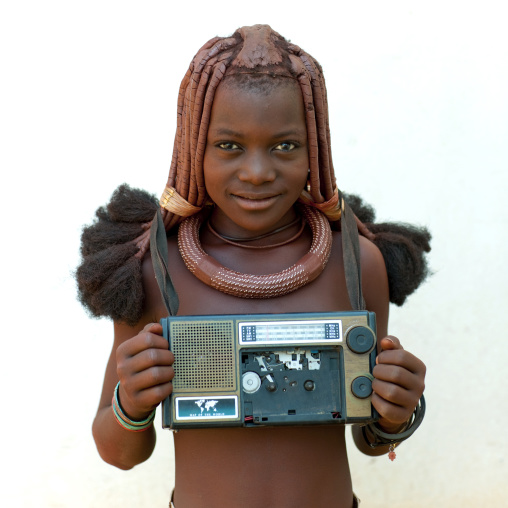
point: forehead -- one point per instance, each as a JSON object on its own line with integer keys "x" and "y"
{"x": 264, "y": 104}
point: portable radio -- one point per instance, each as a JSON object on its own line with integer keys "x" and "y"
{"x": 270, "y": 369}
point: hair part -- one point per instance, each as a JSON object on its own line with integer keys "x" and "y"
{"x": 263, "y": 84}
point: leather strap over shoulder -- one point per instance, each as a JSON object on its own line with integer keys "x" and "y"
{"x": 351, "y": 254}
{"x": 159, "y": 253}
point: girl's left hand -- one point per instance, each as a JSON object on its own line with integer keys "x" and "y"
{"x": 399, "y": 381}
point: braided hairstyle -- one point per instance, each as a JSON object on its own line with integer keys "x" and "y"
{"x": 109, "y": 278}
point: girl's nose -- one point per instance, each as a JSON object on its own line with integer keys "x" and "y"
{"x": 257, "y": 169}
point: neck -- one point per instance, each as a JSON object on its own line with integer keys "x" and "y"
{"x": 248, "y": 232}
{"x": 247, "y": 243}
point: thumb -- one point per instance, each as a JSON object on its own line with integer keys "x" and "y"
{"x": 153, "y": 328}
{"x": 390, "y": 342}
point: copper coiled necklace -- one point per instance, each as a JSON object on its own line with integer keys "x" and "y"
{"x": 242, "y": 285}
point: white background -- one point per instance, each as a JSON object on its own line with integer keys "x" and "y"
{"x": 418, "y": 109}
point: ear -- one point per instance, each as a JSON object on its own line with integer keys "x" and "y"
{"x": 307, "y": 186}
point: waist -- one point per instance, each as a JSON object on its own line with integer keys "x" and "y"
{"x": 270, "y": 466}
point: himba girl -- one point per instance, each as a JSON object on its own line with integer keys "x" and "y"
{"x": 254, "y": 223}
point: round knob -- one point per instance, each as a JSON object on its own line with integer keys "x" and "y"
{"x": 251, "y": 382}
{"x": 271, "y": 386}
{"x": 361, "y": 387}
{"x": 309, "y": 385}
{"x": 360, "y": 339}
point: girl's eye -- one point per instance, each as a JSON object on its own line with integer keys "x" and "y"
{"x": 286, "y": 146}
{"x": 228, "y": 146}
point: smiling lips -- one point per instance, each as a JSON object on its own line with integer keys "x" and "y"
{"x": 255, "y": 201}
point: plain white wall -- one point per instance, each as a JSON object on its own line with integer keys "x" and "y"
{"x": 418, "y": 109}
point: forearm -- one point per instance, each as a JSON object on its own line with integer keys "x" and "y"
{"x": 118, "y": 446}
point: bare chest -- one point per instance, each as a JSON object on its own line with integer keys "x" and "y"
{"x": 247, "y": 458}
{"x": 326, "y": 293}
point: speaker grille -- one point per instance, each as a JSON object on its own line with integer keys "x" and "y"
{"x": 204, "y": 355}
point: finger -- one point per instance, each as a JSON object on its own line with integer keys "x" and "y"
{"x": 395, "y": 394}
{"x": 154, "y": 395}
{"x": 387, "y": 410}
{"x": 151, "y": 377}
{"x": 402, "y": 358}
{"x": 153, "y": 357}
{"x": 395, "y": 374}
{"x": 138, "y": 404}
{"x": 144, "y": 360}
{"x": 134, "y": 385}
{"x": 144, "y": 340}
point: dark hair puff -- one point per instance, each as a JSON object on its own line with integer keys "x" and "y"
{"x": 109, "y": 277}
{"x": 403, "y": 247}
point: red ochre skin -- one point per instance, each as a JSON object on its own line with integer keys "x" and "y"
{"x": 283, "y": 467}
{"x": 256, "y": 159}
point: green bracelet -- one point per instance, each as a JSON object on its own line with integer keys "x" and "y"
{"x": 124, "y": 420}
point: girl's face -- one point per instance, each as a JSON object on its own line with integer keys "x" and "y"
{"x": 256, "y": 158}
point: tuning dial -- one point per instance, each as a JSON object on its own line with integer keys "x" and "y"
{"x": 361, "y": 387}
{"x": 360, "y": 339}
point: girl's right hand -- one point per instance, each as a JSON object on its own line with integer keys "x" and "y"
{"x": 145, "y": 370}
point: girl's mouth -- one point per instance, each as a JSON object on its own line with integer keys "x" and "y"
{"x": 255, "y": 202}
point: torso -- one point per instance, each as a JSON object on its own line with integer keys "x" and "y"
{"x": 288, "y": 466}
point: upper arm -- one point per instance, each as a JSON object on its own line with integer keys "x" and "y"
{"x": 123, "y": 332}
{"x": 375, "y": 284}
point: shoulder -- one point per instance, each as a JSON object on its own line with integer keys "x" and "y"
{"x": 373, "y": 268}
{"x": 153, "y": 305}
{"x": 372, "y": 261}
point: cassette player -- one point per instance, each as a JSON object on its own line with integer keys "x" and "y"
{"x": 270, "y": 369}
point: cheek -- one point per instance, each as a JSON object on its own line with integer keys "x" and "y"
{"x": 215, "y": 180}
{"x": 302, "y": 178}
{"x": 303, "y": 168}
{"x": 208, "y": 171}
